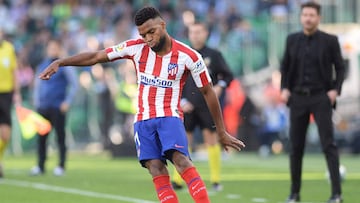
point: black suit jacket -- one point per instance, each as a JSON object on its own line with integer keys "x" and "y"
{"x": 329, "y": 56}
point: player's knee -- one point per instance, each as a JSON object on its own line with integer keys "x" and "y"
{"x": 5, "y": 132}
{"x": 180, "y": 161}
{"x": 156, "y": 167}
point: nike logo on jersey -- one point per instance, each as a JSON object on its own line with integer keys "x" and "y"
{"x": 179, "y": 146}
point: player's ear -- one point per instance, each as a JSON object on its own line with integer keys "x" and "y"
{"x": 163, "y": 24}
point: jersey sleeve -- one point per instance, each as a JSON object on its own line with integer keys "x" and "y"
{"x": 125, "y": 49}
{"x": 199, "y": 72}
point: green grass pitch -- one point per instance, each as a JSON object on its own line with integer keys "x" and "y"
{"x": 246, "y": 178}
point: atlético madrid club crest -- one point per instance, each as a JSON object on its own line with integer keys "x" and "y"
{"x": 173, "y": 69}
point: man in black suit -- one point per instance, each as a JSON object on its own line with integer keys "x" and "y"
{"x": 312, "y": 74}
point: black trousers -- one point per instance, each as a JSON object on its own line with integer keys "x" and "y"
{"x": 57, "y": 120}
{"x": 300, "y": 108}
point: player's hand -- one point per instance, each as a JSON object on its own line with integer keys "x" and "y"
{"x": 64, "y": 107}
{"x": 218, "y": 90}
{"x": 17, "y": 98}
{"x": 49, "y": 71}
{"x": 332, "y": 94}
{"x": 227, "y": 141}
{"x": 187, "y": 107}
{"x": 285, "y": 94}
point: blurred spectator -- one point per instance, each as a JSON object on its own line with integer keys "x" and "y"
{"x": 124, "y": 93}
{"x": 279, "y": 10}
{"x": 37, "y": 47}
{"x": 234, "y": 102}
{"x": 274, "y": 119}
{"x": 233, "y": 18}
{"x": 25, "y": 75}
{"x": 105, "y": 101}
{"x": 263, "y": 6}
{"x": 241, "y": 37}
{"x": 248, "y": 126}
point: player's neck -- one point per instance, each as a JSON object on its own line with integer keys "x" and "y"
{"x": 309, "y": 32}
{"x": 167, "y": 47}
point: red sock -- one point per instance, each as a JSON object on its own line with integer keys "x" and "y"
{"x": 195, "y": 185}
{"x": 165, "y": 192}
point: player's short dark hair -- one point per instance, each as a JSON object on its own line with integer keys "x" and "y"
{"x": 311, "y": 4}
{"x": 145, "y": 14}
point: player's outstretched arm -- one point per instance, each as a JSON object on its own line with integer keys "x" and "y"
{"x": 82, "y": 59}
{"x": 213, "y": 104}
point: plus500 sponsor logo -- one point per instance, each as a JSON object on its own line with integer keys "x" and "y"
{"x": 155, "y": 82}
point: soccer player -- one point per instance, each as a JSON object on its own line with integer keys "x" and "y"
{"x": 162, "y": 66}
{"x": 9, "y": 92}
{"x": 194, "y": 106}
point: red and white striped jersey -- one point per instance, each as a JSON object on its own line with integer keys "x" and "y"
{"x": 161, "y": 78}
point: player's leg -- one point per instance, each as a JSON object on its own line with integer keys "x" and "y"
{"x": 175, "y": 148}
{"x": 323, "y": 118}
{"x": 149, "y": 153}
{"x": 177, "y": 181}
{"x": 299, "y": 121}
{"x": 214, "y": 156}
{"x": 213, "y": 147}
{"x": 161, "y": 180}
{"x": 188, "y": 172}
{"x": 5, "y": 125}
{"x": 190, "y": 124}
{"x": 5, "y": 132}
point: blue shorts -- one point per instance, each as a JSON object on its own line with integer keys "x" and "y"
{"x": 155, "y": 138}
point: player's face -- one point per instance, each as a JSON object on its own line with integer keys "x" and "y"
{"x": 310, "y": 19}
{"x": 197, "y": 35}
{"x": 153, "y": 33}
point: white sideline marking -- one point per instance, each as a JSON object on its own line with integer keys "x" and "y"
{"x": 258, "y": 199}
{"x": 304, "y": 202}
{"x": 233, "y": 196}
{"x": 41, "y": 186}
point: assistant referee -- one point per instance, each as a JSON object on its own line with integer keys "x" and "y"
{"x": 196, "y": 113}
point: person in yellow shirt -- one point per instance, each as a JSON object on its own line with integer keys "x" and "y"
{"x": 9, "y": 92}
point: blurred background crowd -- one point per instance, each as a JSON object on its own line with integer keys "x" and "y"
{"x": 250, "y": 34}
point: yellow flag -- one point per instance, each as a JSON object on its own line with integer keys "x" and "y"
{"x": 31, "y": 122}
